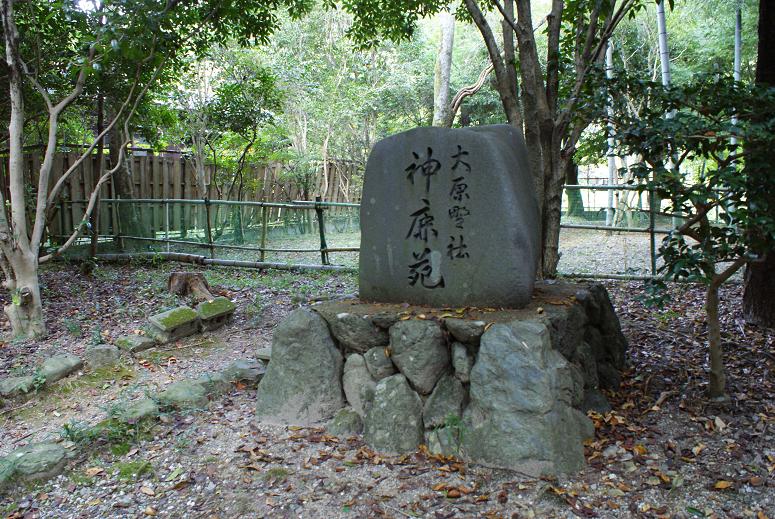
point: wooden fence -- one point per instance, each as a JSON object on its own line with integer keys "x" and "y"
{"x": 170, "y": 175}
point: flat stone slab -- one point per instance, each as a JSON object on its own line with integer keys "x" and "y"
{"x": 59, "y": 366}
{"x": 449, "y": 218}
{"x": 139, "y": 410}
{"x": 186, "y": 394}
{"x": 176, "y": 323}
{"x": 215, "y": 313}
{"x": 135, "y": 343}
{"x": 13, "y": 386}
{"x": 264, "y": 354}
{"x": 102, "y": 356}
{"x": 35, "y": 461}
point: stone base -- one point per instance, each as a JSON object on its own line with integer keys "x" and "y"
{"x": 505, "y": 388}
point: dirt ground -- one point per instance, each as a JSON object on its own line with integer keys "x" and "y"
{"x": 664, "y": 450}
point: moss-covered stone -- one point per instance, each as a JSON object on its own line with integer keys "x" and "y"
{"x": 218, "y": 307}
{"x": 59, "y": 366}
{"x": 175, "y": 324}
{"x": 139, "y": 410}
{"x": 345, "y": 423}
{"x": 37, "y": 461}
{"x": 186, "y": 394}
{"x": 172, "y": 319}
{"x": 135, "y": 343}
{"x": 215, "y": 384}
{"x": 13, "y": 386}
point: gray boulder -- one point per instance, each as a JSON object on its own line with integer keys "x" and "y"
{"x": 345, "y": 423}
{"x": 444, "y": 440}
{"x": 354, "y": 332}
{"x": 566, "y": 326}
{"x": 245, "y": 370}
{"x": 303, "y": 382}
{"x": 357, "y": 383}
{"x": 378, "y": 363}
{"x": 34, "y": 462}
{"x": 445, "y": 401}
{"x": 520, "y": 414}
{"x": 59, "y": 366}
{"x": 215, "y": 383}
{"x": 134, "y": 343}
{"x": 393, "y": 422}
{"x": 419, "y": 352}
{"x": 462, "y": 361}
{"x": 186, "y": 394}
{"x": 595, "y": 401}
{"x": 465, "y": 330}
{"x": 100, "y": 356}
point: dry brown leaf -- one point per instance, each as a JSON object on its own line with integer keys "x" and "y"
{"x": 94, "y": 471}
{"x": 723, "y": 485}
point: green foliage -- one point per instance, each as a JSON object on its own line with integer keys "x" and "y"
{"x": 733, "y": 181}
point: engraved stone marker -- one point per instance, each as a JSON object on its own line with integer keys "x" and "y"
{"x": 449, "y": 217}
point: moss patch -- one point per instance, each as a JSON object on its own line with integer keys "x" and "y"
{"x": 215, "y": 308}
{"x": 171, "y": 319}
{"x": 133, "y": 470}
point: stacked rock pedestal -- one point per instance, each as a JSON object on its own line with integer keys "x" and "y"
{"x": 505, "y": 388}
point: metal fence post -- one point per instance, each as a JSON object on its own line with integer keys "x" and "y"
{"x": 209, "y": 229}
{"x": 167, "y": 223}
{"x": 322, "y": 229}
{"x": 264, "y": 223}
{"x": 652, "y": 237}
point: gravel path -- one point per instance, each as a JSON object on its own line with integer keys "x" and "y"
{"x": 661, "y": 453}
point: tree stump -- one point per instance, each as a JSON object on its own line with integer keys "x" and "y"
{"x": 185, "y": 283}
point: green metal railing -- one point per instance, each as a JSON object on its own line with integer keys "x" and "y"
{"x": 247, "y": 232}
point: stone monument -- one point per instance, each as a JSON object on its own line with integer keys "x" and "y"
{"x": 452, "y": 343}
{"x": 449, "y": 217}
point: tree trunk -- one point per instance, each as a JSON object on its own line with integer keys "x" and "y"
{"x": 759, "y": 292}
{"x": 506, "y": 91}
{"x": 185, "y": 283}
{"x": 441, "y": 104}
{"x": 129, "y": 216}
{"x": 717, "y": 383}
{"x": 25, "y": 312}
{"x": 575, "y": 199}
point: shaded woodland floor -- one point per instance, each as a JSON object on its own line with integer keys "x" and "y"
{"x": 664, "y": 450}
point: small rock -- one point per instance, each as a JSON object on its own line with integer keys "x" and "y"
{"x": 357, "y": 383}
{"x": 345, "y": 423}
{"x": 462, "y": 362}
{"x": 12, "y": 386}
{"x": 185, "y": 394}
{"x": 384, "y": 319}
{"x": 393, "y": 423}
{"x": 264, "y": 354}
{"x": 135, "y": 343}
{"x": 215, "y": 383}
{"x": 354, "y": 332}
{"x": 245, "y": 370}
{"x": 378, "y": 363}
{"x": 139, "y": 410}
{"x": 465, "y": 330}
{"x": 419, "y": 352}
{"x": 445, "y": 401}
{"x": 100, "y": 356}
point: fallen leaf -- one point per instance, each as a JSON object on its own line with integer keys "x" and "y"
{"x": 148, "y": 491}
{"x": 94, "y": 471}
{"x": 722, "y": 485}
{"x": 149, "y": 510}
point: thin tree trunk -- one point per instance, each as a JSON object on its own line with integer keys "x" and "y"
{"x": 441, "y": 104}
{"x": 717, "y": 383}
{"x": 506, "y": 91}
{"x": 95, "y": 222}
